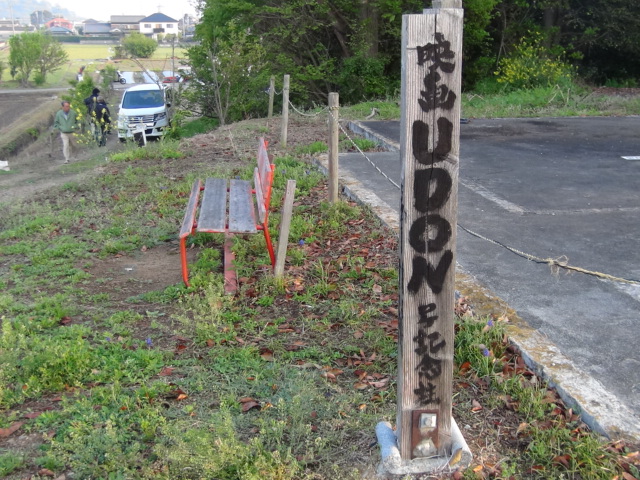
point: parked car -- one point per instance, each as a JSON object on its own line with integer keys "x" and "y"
{"x": 174, "y": 79}
{"x": 144, "y": 108}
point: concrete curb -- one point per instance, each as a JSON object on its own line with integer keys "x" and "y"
{"x": 359, "y": 129}
{"x": 598, "y": 408}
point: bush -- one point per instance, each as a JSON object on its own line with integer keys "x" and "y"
{"x": 139, "y": 46}
{"x": 119, "y": 52}
{"x": 68, "y": 38}
{"x": 38, "y": 78}
{"x": 361, "y": 78}
{"x": 531, "y": 65}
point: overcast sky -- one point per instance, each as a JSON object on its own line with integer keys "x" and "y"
{"x": 102, "y": 10}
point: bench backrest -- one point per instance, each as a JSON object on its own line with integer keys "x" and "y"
{"x": 263, "y": 180}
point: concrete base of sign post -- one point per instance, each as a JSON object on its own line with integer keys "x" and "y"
{"x": 392, "y": 464}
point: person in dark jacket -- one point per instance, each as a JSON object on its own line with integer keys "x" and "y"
{"x": 102, "y": 114}
{"x": 91, "y": 100}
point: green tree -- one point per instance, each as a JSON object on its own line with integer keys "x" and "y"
{"x": 24, "y": 53}
{"x": 230, "y": 78}
{"x": 138, "y": 46}
{"x": 601, "y": 37}
{"x": 607, "y": 35}
{"x": 52, "y": 56}
{"x": 35, "y": 51}
{"x": 342, "y": 45}
{"x": 477, "y": 54}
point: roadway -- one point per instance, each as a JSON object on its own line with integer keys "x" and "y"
{"x": 551, "y": 188}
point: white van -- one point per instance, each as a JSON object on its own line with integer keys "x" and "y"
{"x": 144, "y": 107}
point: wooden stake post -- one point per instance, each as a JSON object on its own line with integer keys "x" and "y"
{"x": 334, "y": 112}
{"x": 285, "y": 111}
{"x": 272, "y": 91}
{"x": 285, "y": 224}
{"x": 430, "y": 126}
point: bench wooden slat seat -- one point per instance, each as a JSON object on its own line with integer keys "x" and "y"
{"x": 213, "y": 210}
{"x": 229, "y": 206}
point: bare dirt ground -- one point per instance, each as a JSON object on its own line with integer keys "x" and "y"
{"x": 39, "y": 166}
{"x": 39, "y": 169}
{"x": 15, "y": 104}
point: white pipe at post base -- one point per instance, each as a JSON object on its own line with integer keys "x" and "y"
{"x": 392, "y": 464}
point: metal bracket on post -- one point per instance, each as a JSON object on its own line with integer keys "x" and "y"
{"x": 424, "y": 433}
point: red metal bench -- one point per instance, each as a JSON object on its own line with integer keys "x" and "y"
{"x": 227, "y": 206}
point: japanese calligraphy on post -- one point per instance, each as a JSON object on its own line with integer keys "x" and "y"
{"x": 430, "y": 132}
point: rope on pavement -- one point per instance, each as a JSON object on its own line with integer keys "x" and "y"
{"x": 554, "y": 263}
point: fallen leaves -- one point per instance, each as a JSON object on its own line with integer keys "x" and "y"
{"x": 166, "y": 371}
{"x": 331, "y": 373}
{"x": 267, "y": 355}
{"x": 249, "y": 403}
{"x": 522, "y": 427}
{"x": 176, "y": 394}
{"x": 366, "y": 380}
{"x": 5, "y": 432}
{"x": 563, "y": 460}
{"x": 31, "y": 415}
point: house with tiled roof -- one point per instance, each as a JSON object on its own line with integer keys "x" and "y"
{"x": 10, "y": 27}
{"x": 126, "y": 23}
{"x": 158, "y": 23}
{"x": 59, "y": 22}
{"x": 96, "y": 28}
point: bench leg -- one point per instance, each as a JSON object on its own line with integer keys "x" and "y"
{"x": 183, "y": 258}
{"x": 230, "y": 277}
{"x": 267, "y": 239}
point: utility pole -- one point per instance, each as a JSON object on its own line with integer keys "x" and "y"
{"x": 13, "y": 24}
{"x": 173, "y": 56}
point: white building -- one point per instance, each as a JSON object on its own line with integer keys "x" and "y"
{"x": 157, "y": 23}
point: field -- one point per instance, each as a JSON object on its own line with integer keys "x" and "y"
{"x": 94, "y": 58}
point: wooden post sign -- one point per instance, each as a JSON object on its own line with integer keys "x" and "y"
{"x": 430, "y": 126}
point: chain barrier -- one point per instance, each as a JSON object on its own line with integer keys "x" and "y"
{"x": 307, "y": 114}
{"x": 363, "y": 154}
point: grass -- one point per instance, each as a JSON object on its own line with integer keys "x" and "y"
{"x": 197, "y": 126}
{"x": 114, "y": 379}
{"x": 552, "y": 101}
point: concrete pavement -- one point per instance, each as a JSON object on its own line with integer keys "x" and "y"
{"x": 550, "y": 188}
